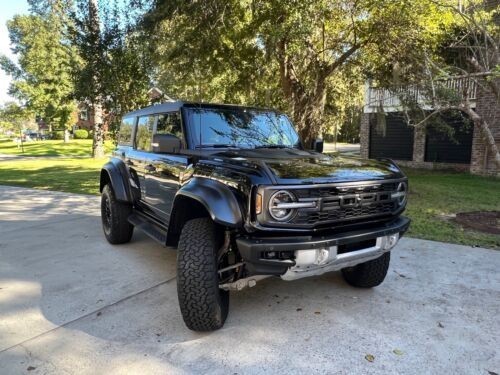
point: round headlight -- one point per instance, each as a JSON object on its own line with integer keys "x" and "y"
{"x": 276, "y": 203}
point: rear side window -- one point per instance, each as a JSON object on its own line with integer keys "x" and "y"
{"x": 126, "y": 131}
{"x": 169, "y": 123}
{"x": 144, "y": 134}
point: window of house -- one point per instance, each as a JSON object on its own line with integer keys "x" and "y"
{"x": 84, "y": 114}
{"x": 126, "y": 131}
{"x": 144, "y": 134}
{"x": 169, "y": 123}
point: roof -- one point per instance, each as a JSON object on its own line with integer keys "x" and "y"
{"x": 177, "y": 105}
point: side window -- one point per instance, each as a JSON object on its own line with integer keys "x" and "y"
{"x": 144, "y": 133}
{"x": 169, "y": 123}
{"x": 126, "y": 131}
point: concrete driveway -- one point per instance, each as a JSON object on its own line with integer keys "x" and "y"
{"x": 71, "y": 303}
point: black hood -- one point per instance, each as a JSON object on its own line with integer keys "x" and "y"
{"x": 294, "y": 166}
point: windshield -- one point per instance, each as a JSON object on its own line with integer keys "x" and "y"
{"x": 241, "y": 128}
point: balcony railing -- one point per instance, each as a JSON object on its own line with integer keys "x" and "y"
{"x": 390, "y": 99}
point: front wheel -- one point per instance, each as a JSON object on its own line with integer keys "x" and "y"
{"x": 204, "y": 306}
{"x": 368, "y": 274}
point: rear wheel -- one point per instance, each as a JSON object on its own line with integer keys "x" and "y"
{"x": 204, "y": 306}
{"x": 114, "y": 215}
{"x": 368, "y": 274}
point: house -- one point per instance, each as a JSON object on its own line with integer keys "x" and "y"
{"x": 426, "y": 146}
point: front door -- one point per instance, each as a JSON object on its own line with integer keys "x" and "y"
{"x": 164, "y": 171}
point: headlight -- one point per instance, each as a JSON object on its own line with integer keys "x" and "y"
{"x": 401, "y": 193}
{"x": 279, "y": 205}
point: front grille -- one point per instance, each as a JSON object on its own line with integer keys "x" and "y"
{"x": 343, "y": 213}
{"x": 335, "y": 191}
{"x": 344, "y": 203}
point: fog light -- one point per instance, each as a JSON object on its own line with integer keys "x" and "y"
{"x": 322, "y": 256}
{"x": 391, "y": 241}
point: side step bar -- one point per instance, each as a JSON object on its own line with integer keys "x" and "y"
{"x": 151, "y": 229}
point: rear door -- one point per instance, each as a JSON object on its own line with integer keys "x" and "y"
{"x": 125, "y": 151}
{"x": 164, "y": 171}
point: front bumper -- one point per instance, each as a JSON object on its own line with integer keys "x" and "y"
{"x": 314, "y": 255}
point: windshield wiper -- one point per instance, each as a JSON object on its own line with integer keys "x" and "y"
{"x": 216, "y": 145}
{"x": 273, "y": 146}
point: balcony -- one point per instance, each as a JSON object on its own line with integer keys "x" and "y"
{"x": 390, "y": 99}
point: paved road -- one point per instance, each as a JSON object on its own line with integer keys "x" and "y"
{"x": 71, "y": 303}
{"x": 343, "y": 148}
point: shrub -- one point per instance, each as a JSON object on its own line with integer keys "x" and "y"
{"x": 58, "y": 134}
{"x": 81, "y": 134}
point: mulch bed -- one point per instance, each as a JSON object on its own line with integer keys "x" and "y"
{"x": 482, "y": 221}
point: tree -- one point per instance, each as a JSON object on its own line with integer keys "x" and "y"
{"x": 113, "y": 77}
{"x": 16, "y": 118}
{"x": 42, "y": 77}
{"x": 287, "y": 50}
{"x": 469, "y": 57}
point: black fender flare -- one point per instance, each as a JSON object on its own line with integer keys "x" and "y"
{"x": 217, "y": 198}
{"x": 116, "y": 172}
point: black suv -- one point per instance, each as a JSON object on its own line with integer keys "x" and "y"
{"x": 242, "y": 199}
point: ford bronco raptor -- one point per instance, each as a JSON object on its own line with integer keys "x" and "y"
{"x": 242, "y": 199}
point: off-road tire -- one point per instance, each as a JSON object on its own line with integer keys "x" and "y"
{"x": 204, "y": 306}
{"x": 114, "y": 215}
{"x": 368, "y": 274}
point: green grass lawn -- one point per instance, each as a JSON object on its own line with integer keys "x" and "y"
{"x": 434, "y": 195}
{"x": 75, "y": 147}
{"x": 73, "y": 175}
{"x": 437, "y": 195}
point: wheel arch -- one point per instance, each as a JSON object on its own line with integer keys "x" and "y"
{"x": 203, "y": 198}
{"x": 114, "y": 173}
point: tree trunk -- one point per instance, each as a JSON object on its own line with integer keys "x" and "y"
{"x": 307, "y": 107}
{"x": 98, "y": 138}
{"x": 483, "y": 126}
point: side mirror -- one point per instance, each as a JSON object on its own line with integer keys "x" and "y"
{"x": 317, "y": 145}
{"x": 166, "y": 143}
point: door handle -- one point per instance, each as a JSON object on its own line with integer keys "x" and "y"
{"x": 150, "y": 168}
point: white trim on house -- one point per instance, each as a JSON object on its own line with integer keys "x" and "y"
{"x": 390, "y": 102}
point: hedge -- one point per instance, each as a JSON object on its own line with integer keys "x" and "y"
{"x": 81, "y": 134}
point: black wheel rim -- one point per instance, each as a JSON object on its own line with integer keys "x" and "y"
{"x": 106, "y": 214}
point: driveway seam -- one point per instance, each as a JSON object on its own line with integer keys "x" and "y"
{"x": 87, "y": 315}
{"x": 82, "y": 216}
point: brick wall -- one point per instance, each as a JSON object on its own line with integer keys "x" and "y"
{"x": 488, "y": 108}
{"x": 364, "y": 135}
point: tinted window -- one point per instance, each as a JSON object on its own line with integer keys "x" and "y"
{"x": 240, "y": 127}
{"x": 169, "y": 123}
{"x": 144, "y": 133}
{"x": 126, "y": 131}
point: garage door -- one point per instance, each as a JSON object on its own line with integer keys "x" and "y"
{"x": 395, "y": 141}
{"x": 442, "y": 147}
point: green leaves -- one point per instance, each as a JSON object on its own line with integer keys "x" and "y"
{"x": 42, "y": 77}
